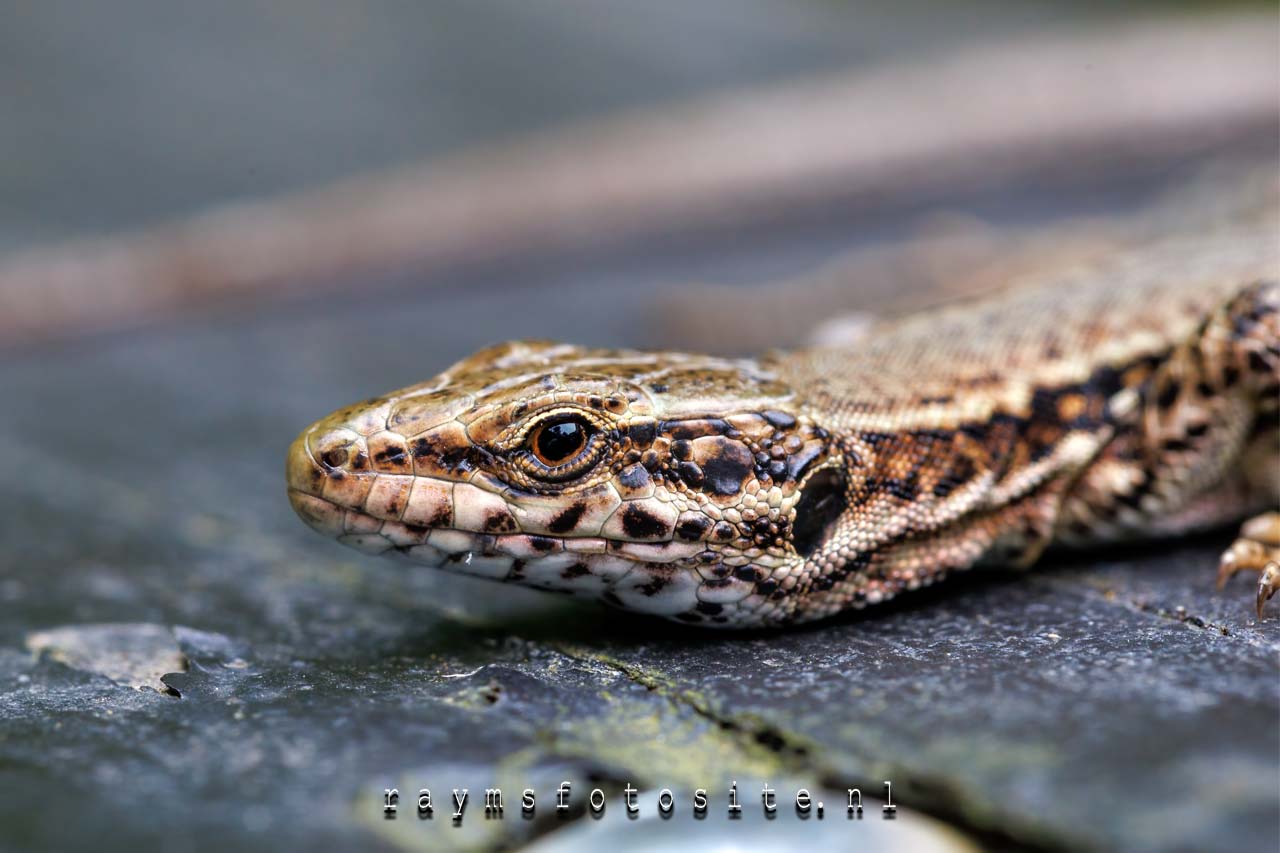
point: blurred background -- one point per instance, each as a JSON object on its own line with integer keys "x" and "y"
{"x": 160, "y": 158}
{"x": 219, "y": 222}
{"x": 149, "y": 111}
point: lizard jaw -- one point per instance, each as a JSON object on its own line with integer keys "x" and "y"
{"x": 421, "y": 519}
{"x": 653, "y": 578}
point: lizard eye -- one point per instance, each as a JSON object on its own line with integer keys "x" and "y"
{"x": 559, "y": 440}
{"x": 555, "y": 447}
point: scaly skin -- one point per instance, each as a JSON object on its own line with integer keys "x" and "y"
{"x": 1135, "y": 398}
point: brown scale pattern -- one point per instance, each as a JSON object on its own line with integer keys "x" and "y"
{"x": 1134, "y": 397}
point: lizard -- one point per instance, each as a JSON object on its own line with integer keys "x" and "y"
{"x": 1136, "y": 396}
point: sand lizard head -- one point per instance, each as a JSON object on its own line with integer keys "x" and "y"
{"x": 686, "y": 486}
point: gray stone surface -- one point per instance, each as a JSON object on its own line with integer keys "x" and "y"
{"x": 1077, "y": 705}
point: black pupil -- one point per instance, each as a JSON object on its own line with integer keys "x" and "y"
{"x": 558, "y": 442}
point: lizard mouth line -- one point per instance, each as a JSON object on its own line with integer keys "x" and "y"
{"x": 453, "y": 547}
{"x": 651, "y": 577}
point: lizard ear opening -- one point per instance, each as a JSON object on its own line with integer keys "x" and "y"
{"x": 822, "y": 500}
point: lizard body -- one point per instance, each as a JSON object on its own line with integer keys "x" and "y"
{"x": 1138, "y": 396}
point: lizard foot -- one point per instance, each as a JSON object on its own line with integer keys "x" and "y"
{"x": 1257, "y": 549}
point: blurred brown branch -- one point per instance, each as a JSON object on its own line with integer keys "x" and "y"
{"x": 949, "y": 256}
{"x": 1090, "y": 102}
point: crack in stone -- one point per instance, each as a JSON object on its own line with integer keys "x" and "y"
{"x": 766, "y": 735}
{"x": 1183, "y": 615}
{"x": 938, "y": 798}
{"x": 1179, "y": 614}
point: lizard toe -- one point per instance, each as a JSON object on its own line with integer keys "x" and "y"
{"x": 1257, "y": 549}
{"x": 1268, "y": 584}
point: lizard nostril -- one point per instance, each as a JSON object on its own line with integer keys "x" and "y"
{"x": 335, "y": 457}
{"x": 335, "y": 451}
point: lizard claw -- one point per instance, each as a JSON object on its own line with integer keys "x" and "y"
{"x": 1257, "y": 549}
{"x": 1268, "y": 584}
